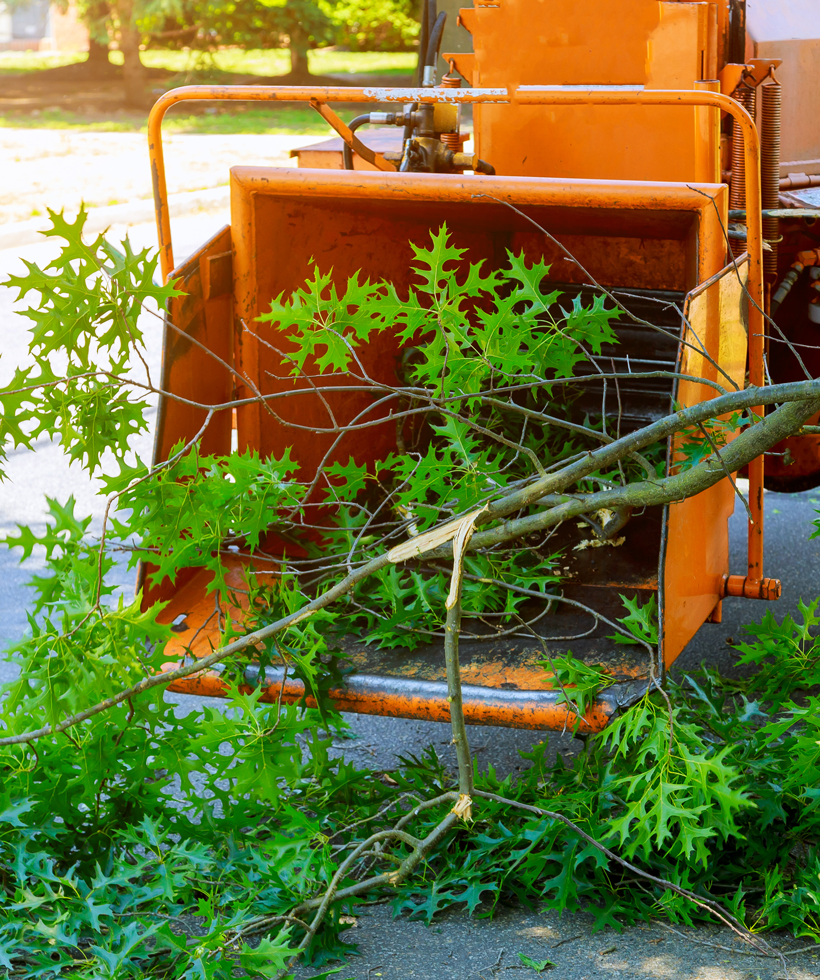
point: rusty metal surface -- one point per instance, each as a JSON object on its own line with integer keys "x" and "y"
{"x": 428, "y": 701}
{"x": 506, "y": 679}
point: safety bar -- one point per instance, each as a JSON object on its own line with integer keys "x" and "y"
{"x": 525, "y": 95}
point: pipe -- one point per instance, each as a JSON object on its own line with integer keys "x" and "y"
{"x": 347, "y": 152}
{"x": 423, "y": 37}
{"x": 432, "y": 49}
{"x": 424, "y": 34}
{"x": 808, "y": 259}
{"x": 770, "y": 106}
{"x": 799, "y": 182}
{"x": 736, "y": 54}
{"x": 785, "y": 286}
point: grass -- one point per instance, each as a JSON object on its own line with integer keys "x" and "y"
{"x": 236, "y": 118}
{"x": 14, "y": 62}
{"x": 325, "y": 61}
{"x": 191, "y": 67}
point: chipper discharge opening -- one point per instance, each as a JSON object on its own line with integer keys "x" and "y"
{"x": 594, "y": 201}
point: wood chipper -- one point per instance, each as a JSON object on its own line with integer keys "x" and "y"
{"x": 627, "y": 131}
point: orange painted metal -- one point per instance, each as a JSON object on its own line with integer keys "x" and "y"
{"x": 375, "y": 159}
{"x": 657, "y": 233}
{"x": 513, "y": 698}
{"x": 586, "y": 44}
{"x": 419, "y": 704}
{"x": 198, "y": 333}
{"x": 741, "y": 585}
{"x": 696, "y": 562}
{"x": 364, "y": 222}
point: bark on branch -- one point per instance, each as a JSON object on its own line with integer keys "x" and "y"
{"x": 800, "y": 400}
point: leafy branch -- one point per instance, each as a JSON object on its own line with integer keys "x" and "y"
{"x": 456, "y": 521}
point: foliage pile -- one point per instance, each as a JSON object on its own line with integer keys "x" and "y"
{"x": 116, "y": 860}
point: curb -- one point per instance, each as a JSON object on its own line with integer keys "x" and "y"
{"x": 21, "y": 233}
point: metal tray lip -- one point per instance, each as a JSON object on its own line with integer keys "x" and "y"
{"x": 619, "y": 695}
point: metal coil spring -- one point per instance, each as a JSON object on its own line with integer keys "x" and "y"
{"x": 770, "y": 105}
{"x": 737, "y": 195}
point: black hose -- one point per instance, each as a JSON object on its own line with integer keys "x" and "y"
{"x": 435, "y": 40}
{"x": 426, "y": 7}
{"x": 737, "y": 32}
{"x": 424, "y": 36}
{"x": 347, "y": 152}
{"x": 482, "y": 167}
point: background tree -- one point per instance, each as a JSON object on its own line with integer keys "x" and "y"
{"x": 300, "y": 25}
{"x": 296, "y": 24}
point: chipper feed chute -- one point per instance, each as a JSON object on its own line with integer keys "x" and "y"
{"x": 656, "y": 242}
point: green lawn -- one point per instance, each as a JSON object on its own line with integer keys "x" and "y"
{"x": 191, "y": 67}
{"x": 325, "y": 61}
{"x": 234, "y": 118}
{"x": 14, "y": 62}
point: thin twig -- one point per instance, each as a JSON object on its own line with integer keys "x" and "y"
{"x": 708, "y": 904}
{"x": 742, "y": 952}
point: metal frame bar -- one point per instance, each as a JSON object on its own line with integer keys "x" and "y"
{"x": 524, "y": 95}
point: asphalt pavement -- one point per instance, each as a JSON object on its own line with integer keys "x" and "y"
{"x": 455, "y": 946}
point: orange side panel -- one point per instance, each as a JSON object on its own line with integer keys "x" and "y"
{"x": 585, "y": 43}
{"x": 698, "y": 536}
{"x": 197, "y": 323}
{"x": 197, "y": 354}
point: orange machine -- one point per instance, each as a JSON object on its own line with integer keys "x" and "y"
{"x": 611, "y": 126}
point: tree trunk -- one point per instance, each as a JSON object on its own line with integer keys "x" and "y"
{"x": 97, "y": 60}
{"x": 97, "y": 64}
{"x": 299, "y": 52}
{"x": 133, "y": 70}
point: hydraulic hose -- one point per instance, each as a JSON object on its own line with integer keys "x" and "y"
{"x": 424, "y": 36}
{"x": 808, "y": 259}
{"x": 435, "y": 41}
{"x": 427, "y": 7}
{"x": 347, "y": 152}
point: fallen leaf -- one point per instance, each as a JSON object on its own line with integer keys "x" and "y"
{"x": 538, "y": 965}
